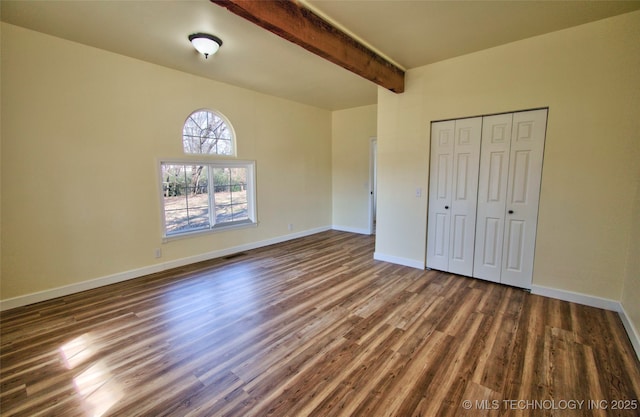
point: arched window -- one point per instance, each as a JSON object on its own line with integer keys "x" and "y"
{"x": 201, "y": 194}
{"x": 206, "y": 132}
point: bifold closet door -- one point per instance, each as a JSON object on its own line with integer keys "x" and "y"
{"x": 455, "y": 156}
{"x": 523, "y": 195}
{"x": 492, "y": 196}
{"x": 439, "y": 218}
{"x": 508, "y": 196}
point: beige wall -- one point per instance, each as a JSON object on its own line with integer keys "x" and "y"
{"x": 352, "y": 130}
{"x": 589, "y": 77}
{"x": 631, "y": 288}
{"x": 82, "y": 133}
{"x": 83, "y": 130}
{"x": 1, "y": 169}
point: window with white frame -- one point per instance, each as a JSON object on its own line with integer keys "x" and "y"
{"x": 207, "y": 194}
{"x": 200, "y": 196}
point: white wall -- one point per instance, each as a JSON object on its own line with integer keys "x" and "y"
{"x": 352, "y": 130}
{"x": 83, "y": 131}
{"x": 588, "y": 76}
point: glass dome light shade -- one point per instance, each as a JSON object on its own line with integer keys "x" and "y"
{"x": 205, "y": 44}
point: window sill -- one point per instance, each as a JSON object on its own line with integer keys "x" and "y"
{"x": 215, "y": 229}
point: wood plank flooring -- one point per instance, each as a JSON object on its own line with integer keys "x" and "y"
{"x": 313, "y": 327}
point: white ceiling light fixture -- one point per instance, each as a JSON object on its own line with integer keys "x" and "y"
{"x": 205, "y": 44}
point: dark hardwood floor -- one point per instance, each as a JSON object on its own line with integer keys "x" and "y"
{"x": 314, "y": 327}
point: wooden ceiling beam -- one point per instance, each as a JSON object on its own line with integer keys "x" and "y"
{"x": 290, "y": 20}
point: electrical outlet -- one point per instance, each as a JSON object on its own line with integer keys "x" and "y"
{"x": 290, "y": 226}
{"x": 418, "y": 192}
{"x": 158, "y": 253}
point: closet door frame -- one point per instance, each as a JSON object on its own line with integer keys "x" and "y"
{"x": 507, "y": 196}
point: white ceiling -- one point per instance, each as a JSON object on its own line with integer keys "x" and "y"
{"x": 410, "y": 33}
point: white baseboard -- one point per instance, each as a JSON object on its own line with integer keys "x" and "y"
{"x": 593, "y": 301}
{"x": 576, "y": 297}
{"x": 398, "y": 260}
{"x": 351, "y": 229}
{"x": 632, "y": 332}
{"x": 139, "y": 272}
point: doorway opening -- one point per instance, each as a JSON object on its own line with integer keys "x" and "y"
{"x": 373, "y": 184}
